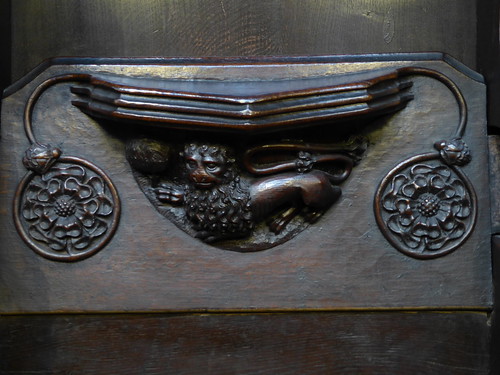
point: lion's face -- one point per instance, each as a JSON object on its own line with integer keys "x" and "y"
{"x": 206, "y": 165}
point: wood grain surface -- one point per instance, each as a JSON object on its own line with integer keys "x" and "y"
{"x": 48, "y": 28}
{"x": 285, "y": 344}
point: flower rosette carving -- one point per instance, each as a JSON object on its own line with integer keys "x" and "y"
{"x": 424, "y": 208}
{"x": 68, "y": 213}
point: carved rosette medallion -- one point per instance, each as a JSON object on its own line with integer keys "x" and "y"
{"x": 69, "y": 212}
{"x": 425, "y": 208}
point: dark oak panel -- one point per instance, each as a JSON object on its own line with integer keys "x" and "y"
{"x": 315, "y": 343}
{"x": 341, "y": 262}
{"x": 43, "y": 29}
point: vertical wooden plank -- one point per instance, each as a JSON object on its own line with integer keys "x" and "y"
{"x": 494, "y": 153}
{"x": 495, "y": 319}
{"x": 494, "y": 171}
{"x": 488, "y": 56}
{"x": 5, "y": 43}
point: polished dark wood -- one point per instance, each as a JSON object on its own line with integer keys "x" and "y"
{"x": 312, "y": 343}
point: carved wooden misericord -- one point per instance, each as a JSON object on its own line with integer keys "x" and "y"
{"x": 206, "y": 170}
{"x": 183, "y": 180}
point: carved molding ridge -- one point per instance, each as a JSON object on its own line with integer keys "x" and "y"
{"x": 242, "y": 106}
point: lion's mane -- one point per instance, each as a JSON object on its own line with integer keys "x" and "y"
{"x": 224, "y": 211}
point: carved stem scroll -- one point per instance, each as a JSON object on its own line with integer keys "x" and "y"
{"x": 425, "y": 206}
{"x": 65, "y": 208}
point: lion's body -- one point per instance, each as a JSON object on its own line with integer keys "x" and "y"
{"x": 222, "y": 212}
{"x": 219, "y": 206}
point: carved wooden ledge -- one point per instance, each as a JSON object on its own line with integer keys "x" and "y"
{"x": 248, "y": 106}
{"x": 252, "y": 154}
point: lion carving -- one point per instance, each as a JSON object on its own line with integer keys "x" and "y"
{"x": 221, "y": 205}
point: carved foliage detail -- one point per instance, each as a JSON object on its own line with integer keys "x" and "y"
{"x": 69, "y": 212}
{"x": 40, "y": 157}
{"x": 425, "y": 209}
{"x": 454, "y": 151}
